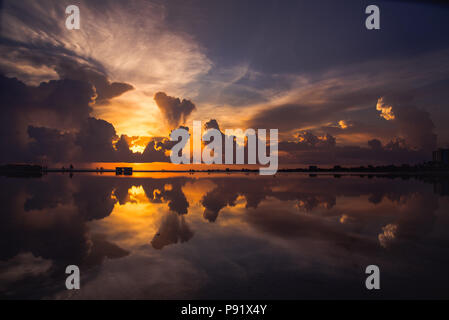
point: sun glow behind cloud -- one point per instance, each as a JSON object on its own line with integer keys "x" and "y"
{"x": 129, "y": 42}
{"x": 142, "y": 44}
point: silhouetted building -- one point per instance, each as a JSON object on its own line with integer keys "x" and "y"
{"x": 127, "y": 171}
{"x": 441, "y": 156}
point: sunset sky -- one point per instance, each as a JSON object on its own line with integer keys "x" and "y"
{"x": 337, "y": 92}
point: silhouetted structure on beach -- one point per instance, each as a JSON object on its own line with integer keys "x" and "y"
{"x": 127, "y": 171}
{"x": 439, "y": 165}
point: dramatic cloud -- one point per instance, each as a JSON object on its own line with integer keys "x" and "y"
{"x": 386, "y": 111}
{"x": 105, "y": 89}
{"x": 414, "y": 124}
{"x": 51, "y": 123}
{"x": 69, "y": 100}
{"x": 174, "y": 111}
{"x": 343, "y": 101}
{"x": 212, "y": 124}
{"x": 95, "y": 139}
{"x": 311, "y": 140}
{"x": 69, "y": 78}
{"x": 63, "y": 64}
{"x": 58, "y": 104}
{"x": 35, "y": 47}
{"x": 51, "y": 144}
{"x": 417, "y": 128}
{"x": 311, "y": 149}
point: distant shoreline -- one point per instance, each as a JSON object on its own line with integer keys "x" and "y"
{"x": 37, "y": 170}
{"x": 250, "y": 171}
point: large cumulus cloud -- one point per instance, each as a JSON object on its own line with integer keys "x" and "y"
{"x": 174, "y": 110}
{"x": 104, "y": 88}
{"x": 58, "y": 104}
{"x": 309, "y": 148}
{"x": 51, "y": 122}
{"x": 414, "y": 124}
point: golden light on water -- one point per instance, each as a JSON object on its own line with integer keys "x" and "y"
{"x": 134, "y": 223}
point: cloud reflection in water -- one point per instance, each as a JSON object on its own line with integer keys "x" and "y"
{"x": 216, "y": 236}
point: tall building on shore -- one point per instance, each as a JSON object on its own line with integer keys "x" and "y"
{"x": 441, "y": 156}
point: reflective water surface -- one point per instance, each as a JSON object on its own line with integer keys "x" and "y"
{"x": 168, "y": 236}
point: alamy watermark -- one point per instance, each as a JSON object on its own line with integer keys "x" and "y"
{"x": 73, "y": 21}
{"x": 72, "y": 282}
{"x": 372, "y": 22}
{"x": 234, "y": 142}
{"x": 373, "y": 280}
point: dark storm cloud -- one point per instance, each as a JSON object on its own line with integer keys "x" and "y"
{"x": 413, "y": 123}
{"x": 51, "y": 123}
{"x": 66, "y": 64}
{"x": 95, "y": 140}
{"x": 51, "y": 144}
{"x": 61, "y": 103}
{"x": 105, "y": 89}
{"x": 11, "y": 137}
{"x": 174, "y": 111}
{"x": 69, "y": 100}
{"x": 44, "y": 117}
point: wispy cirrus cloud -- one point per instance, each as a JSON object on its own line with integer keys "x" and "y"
{"x": 120, "y": 46}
